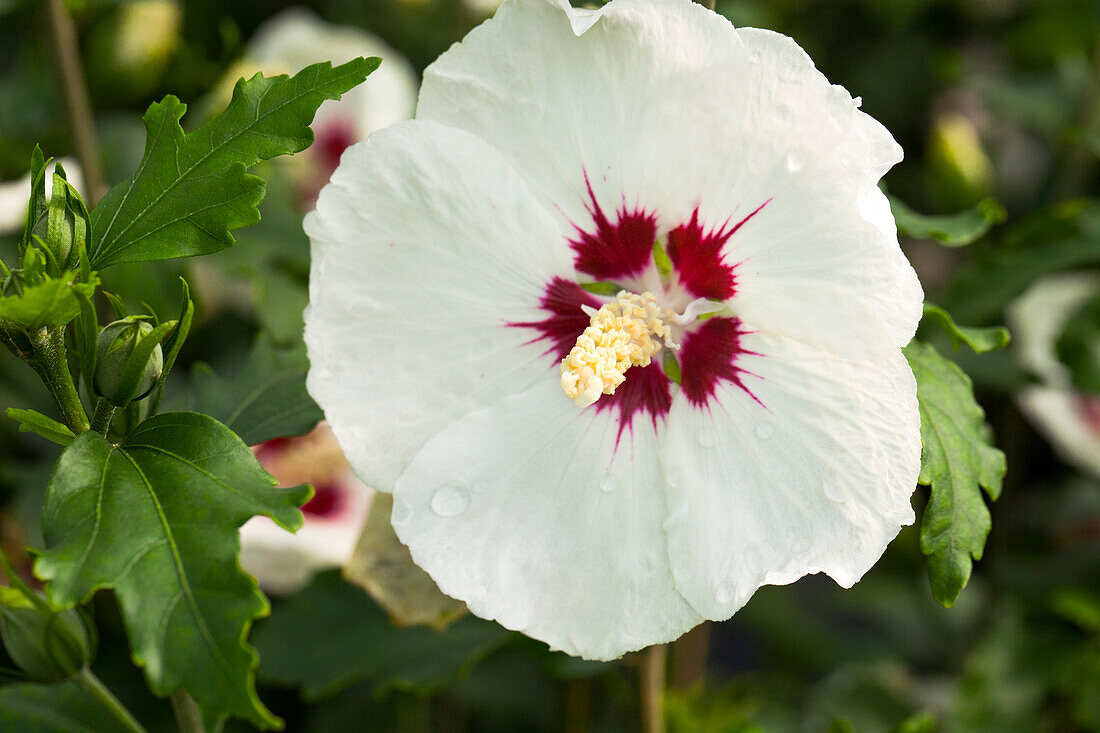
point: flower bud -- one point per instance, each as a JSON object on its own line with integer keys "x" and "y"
{"x": 960, "y": 172}
{"x": 49, "y": 646}
{"x": 114, "y": 347}
{"x": 66, "y": 222}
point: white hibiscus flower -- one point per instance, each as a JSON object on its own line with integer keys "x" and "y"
{"x": 1068, "y": 418}
{"x": 283, "y": 562}
{"x": 553, "y": 148}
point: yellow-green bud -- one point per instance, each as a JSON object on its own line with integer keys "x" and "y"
{"x": 115, "y": 344}
{"x": 49, "y": 646}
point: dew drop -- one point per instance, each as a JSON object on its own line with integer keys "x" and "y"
{"x": 764, "y": 430}
{"x": 794, "y": 163}
{"x": 401, "y": 512}
{"x": 706, "y": 437}
{"x": 723, "y": 594}
{"x": 607, "y": 483}
{"x": 450, "y": 501}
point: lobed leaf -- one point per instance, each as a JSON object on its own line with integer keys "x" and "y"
{"x": 156, "y": 519}
{"x": 332, "y": 634}
{"x": 265, "y": 399}
{"x": 50, "y": 303}
{"x": 953, "y": 230}
{"x": 957, "y": 462}
{"x": 191, "y": 189}
{"x": 54, "y": 708}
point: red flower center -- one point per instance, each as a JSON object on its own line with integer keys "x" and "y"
{"x": 619, "y": 248}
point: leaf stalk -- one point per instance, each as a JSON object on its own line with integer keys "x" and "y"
{"x": 95, "y": 687}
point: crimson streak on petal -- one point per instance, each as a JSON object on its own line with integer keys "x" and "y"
{"x": 697, "y": 256}
{"x": 562, "y": 300}
{"x": 646, "y": 389}
{"x": 614, "y": 249}
{"x": 709, "y": 356}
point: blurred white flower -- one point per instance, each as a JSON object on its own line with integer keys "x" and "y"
{"x": 741, "y": 414}
{"x": 283, "y": 562}
{"x": 1069, "y": 420}
{"x": 14, "y": 195}
{"x": 296, "y": 38}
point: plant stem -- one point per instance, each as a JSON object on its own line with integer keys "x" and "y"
{"x": 95, "y": 687}
{"x": 689, "y": 657}
{"x": 50, "y": 361}
{"x": 652, "y": 683}
{"x": 188, "y": 715}
{"x": 708, "y": 4}
{"x": 101, "y": 420}
{"x": 75, "y": 92}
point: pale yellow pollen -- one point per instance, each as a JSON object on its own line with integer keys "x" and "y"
{"x": 620, "y": 335}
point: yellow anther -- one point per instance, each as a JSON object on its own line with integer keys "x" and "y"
{"x": 620, "y": 335}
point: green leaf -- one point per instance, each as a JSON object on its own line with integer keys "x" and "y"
{"x": 58, "y": 708}
{"x": 954, "y": 230}
{"x": 52, "y": 302}
{"x": 980, "y": 340}
{"x": 265, "y": 399}
{"x": 332, "y": 634}
{"x": 191, "y": 189}
{"x": 957, "y": 462}
{"x": 1079, "y": 347}
{"x": 31, "y": 421}
{"x": 156, "y": 519}
{"x": 1061, "y": 237}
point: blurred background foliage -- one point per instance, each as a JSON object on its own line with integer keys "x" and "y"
{"x": 993, "y": 98}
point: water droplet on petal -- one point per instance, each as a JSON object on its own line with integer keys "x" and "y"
{"x": 764, "y": 430}
{"x": 723, "y": 594}
{"x": 450, "y": 501}
{"x": 607, "y": 483}
{"x": 795, "y": 162}
{"x": 833, "y": 486}
{"x": 401, "y": 512}
{"x": 707, "y": 437}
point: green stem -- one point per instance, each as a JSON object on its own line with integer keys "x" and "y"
{"x": 101, "y": 420}
{"x": 95, "y": 687}
{"x": 652, "y": 683}
{"x": 51, "y": 363}
{"x": 75, "y": 93}
{"x": 188, "y": 715}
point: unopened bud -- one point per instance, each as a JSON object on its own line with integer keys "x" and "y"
{"x": 114, "y": 347}
{"x": 48, "y": 645}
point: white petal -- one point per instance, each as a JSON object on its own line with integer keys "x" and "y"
{"x": 14, "y": 195}
{"x": 425, "y": 245}
{"x": 528, "y": 512}
{"x": 564, "y": 92}
{"x": 1038, "y": 317}
{"x": 1063, "y": 418}
{"x": 667, "y": 107}
{"x": 817, "y": 478}
{"x": 296, "y": 38}
{"x": 283, "y": 562}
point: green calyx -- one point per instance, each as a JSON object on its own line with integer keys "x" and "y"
{"x": 129, "y": 359}
{"x": 48, "y": 644}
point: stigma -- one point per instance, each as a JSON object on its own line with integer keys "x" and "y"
{"x": 624, "y": 333}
